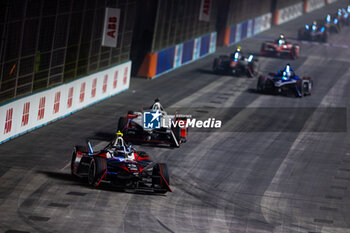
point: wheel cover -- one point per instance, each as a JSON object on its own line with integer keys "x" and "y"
{"x": 92, "y": 173}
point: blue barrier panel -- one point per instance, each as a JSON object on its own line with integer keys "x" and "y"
{"x": 212, "y": 42}
{"x": 205, "y": 40}
{"x": 250, "y": 27}
{"x": 178, "y": 55}
{"x": 165, "y": 60}
{"x": 244, "y": 29}
{"x": 232, "y": 34}
{"x": 253, "y": 27}
{"x": 187, "y": 52}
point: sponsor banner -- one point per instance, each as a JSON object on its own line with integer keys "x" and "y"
{"x": 288, "y": 13}
{"x": 184, "y": 53}
{"x": 238, "y": 32}
{"x": 204, "y": 13}
{"x": 262, "y": 23}
{"x": 197, "y": 43}
{"x": 110, "y": 27}
{"x": 250, "y": 28}
{"x": 178, "y": 56}
{"x": 212, "y": 45}
{"x": 28, "y": 113}
{"x": 330, "y": 1}
{"x": 314, "y": 5}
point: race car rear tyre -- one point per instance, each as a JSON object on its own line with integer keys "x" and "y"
{"x": 74, "y": 155}
{"x": 262, "y": 50}
{"x": 300, "y": 86}
{"x": 216, "y": 66}
{"x": 293, "y": 53}
{"x": 161, "y": 172}
{"x": 97, "y": 170}
{"x": 325, "y": 38}
{"x": 260, "y": 85}
{"x": 121, "y": 124}
{"x": 308, "y": 85}
{"x": 301, "y": 34}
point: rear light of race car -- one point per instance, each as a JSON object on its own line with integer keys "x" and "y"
{"x": 233, "y": 63}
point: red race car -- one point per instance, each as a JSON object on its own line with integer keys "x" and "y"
{"x": 280, "y": 48}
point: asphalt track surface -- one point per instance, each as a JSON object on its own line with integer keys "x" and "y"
{"x": 258, "y": 180}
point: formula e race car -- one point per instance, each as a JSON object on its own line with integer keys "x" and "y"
{"x": 313, "y": 32}
{"x": 280, "y": 48}
{"x": 236, "y": 64}
{"x": 121, "y": 166}
{"x": 160, "y": 129}
{"x": 332, "y": 24}
{"x": 284, "y": 82}
{"x": 343, "y": 16}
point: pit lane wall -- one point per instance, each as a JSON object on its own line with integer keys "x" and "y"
{"x": 291, "y": 12}
{"x": 163, "y": 61}
{"x": 311, "y": 5}
{"x": 246, "y": 29}
{"x": 288, "y": 13}
{"x": 28, "y": 113}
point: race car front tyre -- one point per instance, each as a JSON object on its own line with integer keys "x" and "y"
{"x": 293, "y": 53}
{"x": 161, "y": 178}
{"x": 97, "y": 170}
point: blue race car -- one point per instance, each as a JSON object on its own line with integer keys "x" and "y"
{"x": 333, "y": 24}
{"x": 285, "y": 81}
{"x": 313, "y": 32}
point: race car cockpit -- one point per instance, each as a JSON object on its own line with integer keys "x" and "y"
{"x": 120, "y": 149}
{"x": 158, "y": 107}
{"x": 286, "y": 73}
{"x": 237, "y": 55}
{"x": 281, "y": 40}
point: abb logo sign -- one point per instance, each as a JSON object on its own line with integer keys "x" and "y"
{"x": 82, "y": 92}
{"x": 104, "y": 87}
{"x": 70, "y": 97}
{"x": 204, "y": 14}
{"x": 125, "y": 78}
{"x": 8, "y": 122}
{"x": 111, "y": 26}
{"x": 115, "y": 81}
{"x": 93, "y": 90}
{"x": 56, "y": 105}
{"x": 25, "y": 115}
{"x": 41, "y": 111}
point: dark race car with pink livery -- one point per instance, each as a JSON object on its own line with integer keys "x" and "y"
{"x": 280, "y": 48}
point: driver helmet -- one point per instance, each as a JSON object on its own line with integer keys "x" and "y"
{"x": 288, "y": 71}
{"x": 281, "y": 39}
{"x": 157, "y": 106}
{"x": 314, "y": 25}
{"x": 120, "y": 144}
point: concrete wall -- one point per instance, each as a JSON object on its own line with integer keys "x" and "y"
{"x": 245, "y": 29}
{"x": 163, "y": 61}
{"x": 36, "y": 110}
